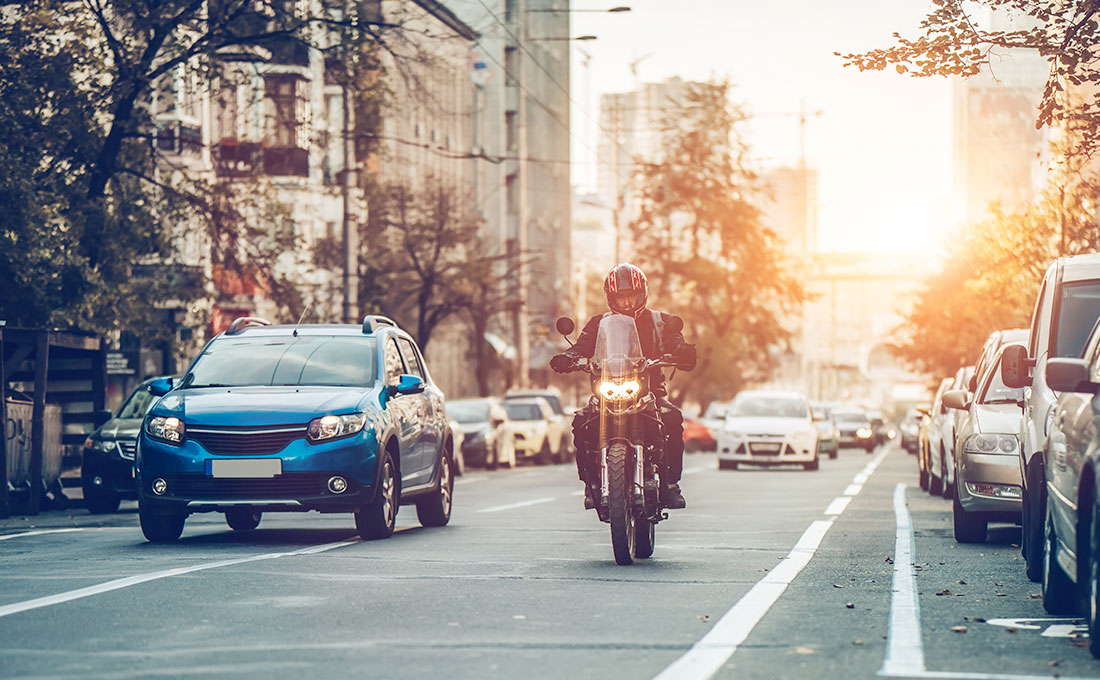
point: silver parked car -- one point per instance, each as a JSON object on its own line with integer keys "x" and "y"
{"x": 1071, "y": 568}
{"x": 987, "y": 469}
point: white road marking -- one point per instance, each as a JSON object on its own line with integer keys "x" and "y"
{"x": 469, "y": 480}
{"x": 708, "y": 655}
{"x": 904, "y": 648}
{"x": 853, "y": 490}
{"x": 40, "y": 532}
{"x": 512, "y": 506}
{"x": 138, "y": 579}
{"x": 838, "y": 505}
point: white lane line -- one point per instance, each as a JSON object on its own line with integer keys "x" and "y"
{"x": 469, "y": 480}
{"x": 128, "y": 581}
{"x": 40, "y": 532}
{"x": 708, "y": 655}
{"x": 512, "y": 506}
{"x": 838, "y": 505}
{"x": 904, "y": 647}
{"x": 853, "y": 490}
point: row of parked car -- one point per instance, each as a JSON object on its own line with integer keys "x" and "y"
{"x": 764, "y": 427}
{"x": 523, "y": 425}
{"x": 1016, "y": 438}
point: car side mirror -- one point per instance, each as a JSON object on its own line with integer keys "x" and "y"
{"x": 160, "y": 387}
{"x": 972, "y": 384}
{"x": 956, "y": 399}
{"x": 1069, "y": 375}
{"x": 1015, "y": 366}
{"x": 408, "y": 384}
{"x": 565, "y": 325}
{"x": 101, "y": 417}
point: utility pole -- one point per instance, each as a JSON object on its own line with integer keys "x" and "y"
{"x": 350, "y": 228}
{"x": 521, "y": 322}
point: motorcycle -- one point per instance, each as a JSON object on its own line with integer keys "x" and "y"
{"x": 631, "y": 443}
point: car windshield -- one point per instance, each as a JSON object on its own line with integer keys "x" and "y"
{"x": 715, "y": 411}
{"x": 996, "y": 392}
{"x": 469, "y": 411}
{"x": 1078, "y": 314}
{"x": 850, "y": 417}
{"x": 138, "y": 404}
{"x": 820, "y": 411}
{"x": 521, "y": 411}
{"x": 302, "y": 360}
{"x": 551, "y": 398}
{"x": 769, "y": 407}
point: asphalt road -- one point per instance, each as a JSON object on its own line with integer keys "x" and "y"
{"x": 766, "y": 574}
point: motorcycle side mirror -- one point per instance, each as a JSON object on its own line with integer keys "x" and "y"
{"x": 676, "y": 324}
{"x": 565, "y": 325}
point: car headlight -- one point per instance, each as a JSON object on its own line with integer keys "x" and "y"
{"x": 98, "y": 444}
{"x": 613, "y": 391}
{"x": 331, "y": 427}
{"x": 165, "y": 428}
{"x": 864, "y": 433}
{"x": 991, "y": 443}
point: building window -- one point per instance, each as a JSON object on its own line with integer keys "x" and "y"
{"x": 288, "y": 119}
{"x": 511, "y": 66}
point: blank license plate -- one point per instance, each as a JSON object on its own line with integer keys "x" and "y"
{"x": 765, "y": 448}
{"x": 247, "y": 467}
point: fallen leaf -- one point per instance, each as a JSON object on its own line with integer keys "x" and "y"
{"x": 837, "y": 585}
{"x": 1002, "y": 594}
{"x": 978, "y": 619}
{"x": 1010, "y": 629}
{"x": 519, "y": 617}
{"x": 945, "y": 591}
{"x": 705, "y": 618}
{"x": 958, "y": 629}
{"x": 1035, "y": 596}
{"x": 962, "y": 583}
{"x": 857, "y": 641}
{"x": 850, "y": 605}
{"x": 803, "y": 650}
{"x": 1054, "y": 663}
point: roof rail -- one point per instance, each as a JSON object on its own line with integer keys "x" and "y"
{"x": 243, "y": 322}
{"x": 371, "y": 322}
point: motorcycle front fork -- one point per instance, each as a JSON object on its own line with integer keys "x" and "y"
{"x": 644, "y": 489}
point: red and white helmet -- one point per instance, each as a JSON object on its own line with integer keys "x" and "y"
{"x": 626, "y": 289}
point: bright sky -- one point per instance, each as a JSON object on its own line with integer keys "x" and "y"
{"x": 882, "y": 145}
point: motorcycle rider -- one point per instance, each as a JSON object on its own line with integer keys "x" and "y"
{"x": 626, "y": 289}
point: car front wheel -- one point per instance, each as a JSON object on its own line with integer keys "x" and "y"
{"x": 378, "y": 518}
{"x": 435, "y": 510}
{"x": 160, "y": 528}
{"x": 1092, "y": 587}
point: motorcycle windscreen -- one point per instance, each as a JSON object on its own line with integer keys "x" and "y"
{"x": 618, "y": 347}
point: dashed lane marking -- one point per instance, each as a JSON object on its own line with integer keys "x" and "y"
{"x": 118, "y": 584}
{"x": 469, "y": 480}
{"x": 838, "y": 505}
{"x": 853, "y": 490}
{"x": 513, "y": 506}
{"x": 40, "y": 532}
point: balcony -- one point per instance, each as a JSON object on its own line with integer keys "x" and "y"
{"x": 236, "y": 160}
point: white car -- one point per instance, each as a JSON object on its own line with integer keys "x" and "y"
{"x": 530, "y": 420}
{"x": 768, "y": 428}
{"x": 560, "y": 435}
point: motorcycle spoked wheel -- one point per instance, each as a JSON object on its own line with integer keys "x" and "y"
{"x": 620, "y": 510}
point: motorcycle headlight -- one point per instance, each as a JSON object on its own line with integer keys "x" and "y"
{"x": 331, "y": 427}
{"x": 613, "y": 391}
{"x": 991, "y": 443}
{"x": 166, "y": 429}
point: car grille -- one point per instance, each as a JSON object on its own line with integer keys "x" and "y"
{"x": 282, "y": 486}
{"x": 765, "y": 449}
{"x": 127, "y": 448}
{"x": 245, "y": 441}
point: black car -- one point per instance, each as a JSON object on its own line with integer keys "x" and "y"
{"x": 107, "y": 468}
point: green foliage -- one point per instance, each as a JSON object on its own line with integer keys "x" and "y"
{"x": 708, "y": 257}
{"x": 952, "y": 40}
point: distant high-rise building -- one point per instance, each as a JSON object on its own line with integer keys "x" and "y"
{"x": 789, "y": 206}
{"x": 999, "y": 156}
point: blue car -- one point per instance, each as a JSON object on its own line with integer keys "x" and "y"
{"x": 334, "y": 418}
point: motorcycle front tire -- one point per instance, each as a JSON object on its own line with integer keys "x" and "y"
{"x": 621, "y": 514}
